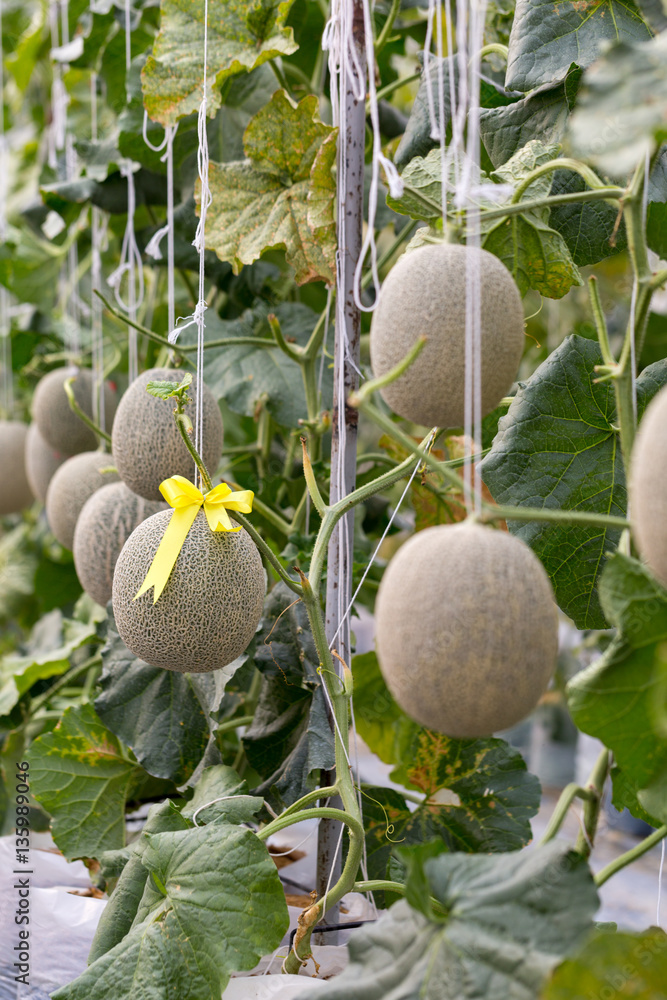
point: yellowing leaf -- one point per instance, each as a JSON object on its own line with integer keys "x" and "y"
{"x": 282, "y": 196}
{"x": 241, "y": 36}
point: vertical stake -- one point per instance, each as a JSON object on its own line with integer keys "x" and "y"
{"x": 351, "y": 145}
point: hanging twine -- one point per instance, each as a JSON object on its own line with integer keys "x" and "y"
{"x": 153, "y": 246}
{"x": 131, "y": 265}
{"x": 98, "y": 236}
{"x": 198, "y": 316}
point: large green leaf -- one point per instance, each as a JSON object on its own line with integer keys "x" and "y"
{"x": 47, "y": 654}
{"x": 119, "y": 913}
{"x": 532, "y": 251}
{"x": 535, "y": 253}
{"x": 478, "y": 795}
{"x": 614, "y": 965}
{"x": 247, "y": 376}
{"x": 213, "y": 905}
{"x": 616, "y": 697}
{"x": 290, "y": 736}
{"x": 281, "y": 196}
{"x": 590, "y": 229}
{"x": 655, "y": 13}
{"x": 622, "y": 107}
{"x": 549, "y": 35}
{"x": 510, "y": 919}
{"x": 541, "y": 115}
{"x": 557, "y": 448}
{"x": 155, "y": 712}
{"x": 81, "y": 776}
{"x": 241, "y": 36}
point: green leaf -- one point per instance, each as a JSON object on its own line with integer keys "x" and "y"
{"x": 589, "y": 227}
{"x": 214, "y": 904}
{"x": 655, "y": 13}
{"x": 168, "y": 390}
{"x": 622, "y": 107}
{"x": 220, "y": 782}
{"x": 30, "y": 265}
{"x": 290, "y": 736}
{"x": 541, "y": 115}
{"x": 535, "y": 254}
{"x": 616, "y": 697}
{"x": 417, "y": 139}
{"x": 549, "y": 35}
{"x": 246, "y": 376}
{"x": 119, "y": 913}
{"x": 264, "y": 201}
{"x": 620, "y": 964}
{"x": 18, "y": 563}
{"x": 510, "y": 919}
{"x": 155, "y": 712}
{"x": 81, "y": 776}
{"x": 241, "y": 36}
{"x": 478, "y": 794}
{"x": 556, "y": 448}
{"x": 109, "y": 194}
{"x": 48, "y": 652}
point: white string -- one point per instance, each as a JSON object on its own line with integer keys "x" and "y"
{"x": 379, "y": 159}
{"x": 131, "y": 265}
{"x": 200, "y": 245}
{"x": 662, "y": 865}
{"x": 333, "y": 867}
{"x": 153, "y": 246}
{"x": 393, "y": 517}
{"x": 98, "y": 230}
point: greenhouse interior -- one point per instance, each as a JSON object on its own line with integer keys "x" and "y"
{"x": 333, "y": 499}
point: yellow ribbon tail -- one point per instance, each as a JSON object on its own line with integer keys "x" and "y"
{"x": 165, "y": 558}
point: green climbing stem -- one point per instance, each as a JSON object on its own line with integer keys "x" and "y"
{"x": 74, "y": 406}
{"x": 626, "y": 859}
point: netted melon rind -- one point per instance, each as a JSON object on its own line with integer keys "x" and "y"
{"x": 58, "y": 424}
{"x": 146, "y": 444}
{"x": 426, "y": 293}
{"x": 105, "y": 523}
{"x": 466, "y": 629}
{"x": 210, "y": 608}
{"x": 648, "y": 487}
{"x": 41, "y": 462}
{"x": 74, "y": 482}
{"x": 15, "y": 492}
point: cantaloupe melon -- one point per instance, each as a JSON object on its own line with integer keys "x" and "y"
{"x": 466, "y": 629}
{"x": 648, "y": 487}
{"x": 105, "y": 523}
{"x": 210, "y": 608}
{"x": 58, "y": 424}
{"x": 41, "y": 462}
{"x": 146, "y": 443}
{"x": 425, "y": 293}
{"x": 73, "y": 483}
{"x": 15, "y": 492}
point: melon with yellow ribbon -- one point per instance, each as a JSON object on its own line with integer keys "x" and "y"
{"x": 189, "y": 584}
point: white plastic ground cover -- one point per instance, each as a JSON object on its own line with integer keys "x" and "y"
{"x": 62, "y": 925}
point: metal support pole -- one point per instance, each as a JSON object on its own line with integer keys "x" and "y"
{"x": 351, "y": 145}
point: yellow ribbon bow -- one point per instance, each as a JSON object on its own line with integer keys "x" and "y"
{"x": 186, "y": 500}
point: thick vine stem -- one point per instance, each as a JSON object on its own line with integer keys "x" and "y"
{"x": 626, "y": 859}
{"x": 74, "y": 406}
{"x": 184, "y": 425}
{"x": 268, "y": 553}
{"x": 383, "y": 37}
{"x": 183, "y": 348}
{"x": 564, "y": 163}
{"x": 294, "y": 353}
{"x": 592, "y": 804}
{"x": 568, "y": 795}
{"x": 350, "y": 814}
{"x": 489, "y": 512}
{"x": 372, "y": 386}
